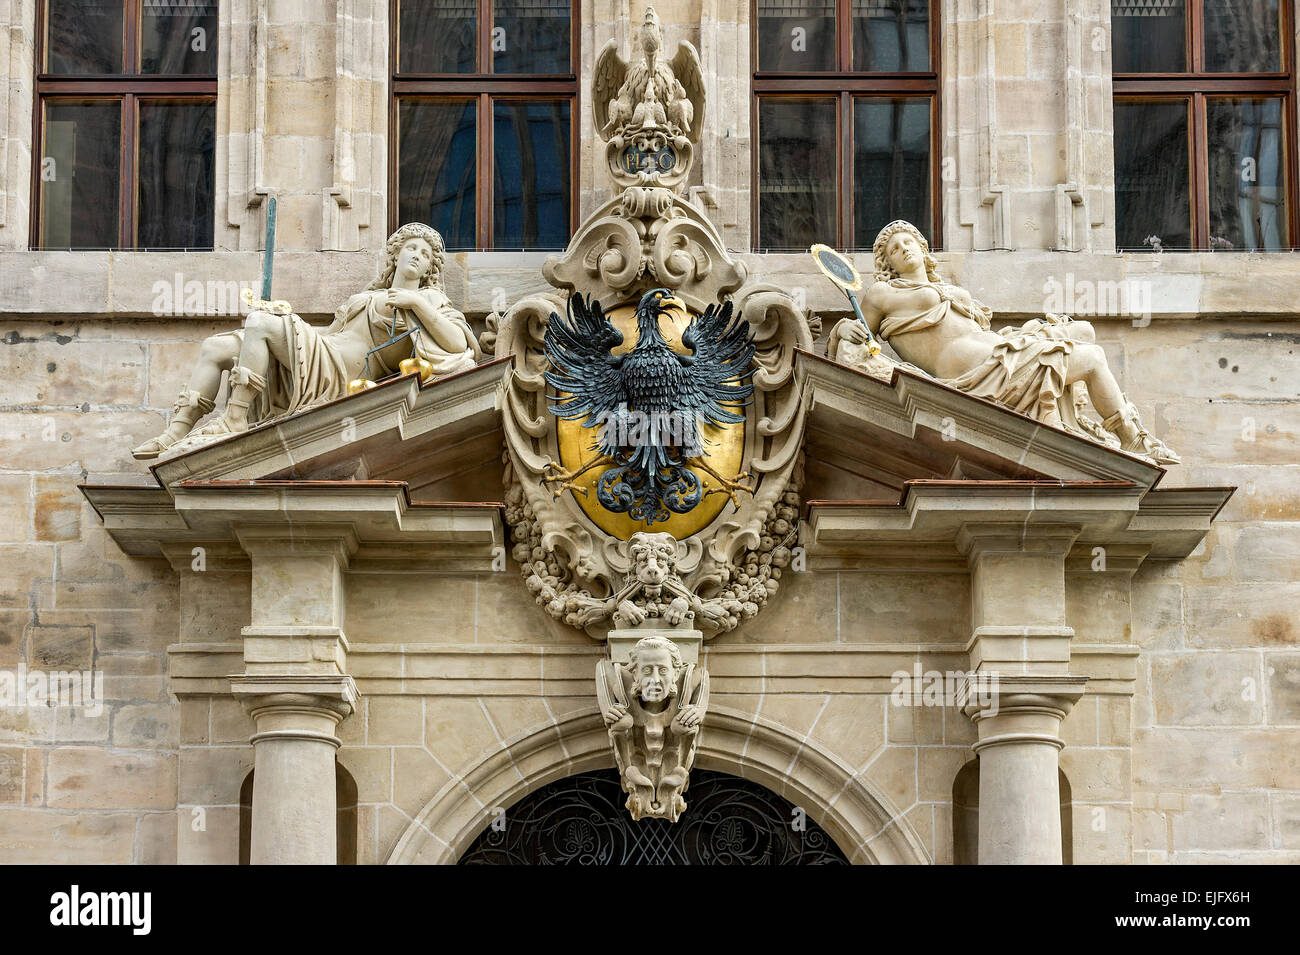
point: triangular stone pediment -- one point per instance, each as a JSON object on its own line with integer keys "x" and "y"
{"x": 866, "y": 438}
{"x": 442, "y": 439}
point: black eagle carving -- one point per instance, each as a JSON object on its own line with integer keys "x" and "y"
{"x": 648, "y": 402}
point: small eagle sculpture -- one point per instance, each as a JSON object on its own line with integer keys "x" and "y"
{"x": 624, "y": 95}
{"x": 650, "y": 401}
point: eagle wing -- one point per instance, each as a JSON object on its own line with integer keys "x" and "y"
{"x": 582, "y": 370}
{"x": 686, "y": 67}
{"x": 606, "y": 83}
{"x": 718, "y": 367}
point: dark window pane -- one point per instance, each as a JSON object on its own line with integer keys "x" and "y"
{"x": 891, "y": 165}
{"x": 797, "y": 166}
{"x": 83, "y": 36}
{"x": 891, "y": 36}
{"x": 1152, "y": 195}
{"x": 437, "y": 36}
{"x": 1243, "y": 36}
{"x": 530, "y": 36}
{"x": 1247, "y": 179}
{"x": 178, "y": 36}
{"x": 531, "y": 175}
{"x": 79, "y": 175}
{"x": 174, "y": 198}
{"x": 796, "y": 36}
{"x": 1148, "y": 36}
{"x": 437, "y": 142}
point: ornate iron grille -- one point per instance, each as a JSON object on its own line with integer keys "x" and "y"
{"x": 581, "y": 820}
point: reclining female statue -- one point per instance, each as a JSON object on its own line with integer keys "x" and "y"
{"x": 279, "y": 364}
{"x": 943, "y": 331}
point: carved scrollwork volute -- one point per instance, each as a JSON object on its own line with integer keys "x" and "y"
{"x": 604, "y": 257}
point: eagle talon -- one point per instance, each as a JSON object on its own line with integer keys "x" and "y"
{"x": 563, "y": 479}
{"x": 730, "y": 486}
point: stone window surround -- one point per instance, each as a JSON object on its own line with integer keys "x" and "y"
{"x": 486, "y": 88}
{"x": 982, "y": 208}
{"x": 187, "y": 89}
{"x": 845, "y": 85}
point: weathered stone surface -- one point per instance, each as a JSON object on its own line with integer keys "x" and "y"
{"x": 146, "y": 726}
{"x": 61, "y": 648}
{"x": 1225, "y": 821}
{"x": 12, "y": 763}
{"x": 87, "y": 777}
{"x": 1282, "y": 672}
{"x": 1244, "y": 615}
{"x": 1218, "y": 689}
{"x": 36, "y": 837}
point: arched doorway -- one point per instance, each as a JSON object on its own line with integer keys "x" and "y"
{"x": 581, "y": 820}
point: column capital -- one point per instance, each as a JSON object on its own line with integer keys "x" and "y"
{"x": 1014, "y": 708}
{"x": 295, "y": 706}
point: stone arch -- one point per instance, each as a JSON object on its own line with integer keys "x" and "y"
{"x": 862, "y": 820}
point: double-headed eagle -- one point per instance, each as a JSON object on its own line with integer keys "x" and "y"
{"x": 649, "y": 400}
{"x": 651, "y": 91}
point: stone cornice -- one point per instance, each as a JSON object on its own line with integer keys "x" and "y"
{"x": 203, "y": 669}
{"x": 1202, "y": 286}
{"x": 379, "y": 516}
{"x": 938, "y": 514}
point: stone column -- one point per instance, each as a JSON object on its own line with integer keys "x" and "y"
{"x": 1020, "y": 653}
{"x": 295, "y": 687}
{"x": 1018, "y": 719}
{"x": 294, "y": 810}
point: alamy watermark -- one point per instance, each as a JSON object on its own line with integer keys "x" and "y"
{"x": 949, "y": 688}
{"x": 81, "y": 689}
{"x": 1085, "y": 297}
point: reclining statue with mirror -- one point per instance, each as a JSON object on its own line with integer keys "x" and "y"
{"x": 941, "y": 330}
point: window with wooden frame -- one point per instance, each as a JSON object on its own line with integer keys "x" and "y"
{"x": 124, "y": 131}
{"x": 845, "y": 113}
{"x": 1204, "y": 124}
{"x": 483, "y": 124}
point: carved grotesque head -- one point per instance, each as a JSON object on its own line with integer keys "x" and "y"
{"x": 896, "y": 241}
{"x": 654, "y": 557}
{"x": 655, "y": 664}
{"x": 401, "y": 247}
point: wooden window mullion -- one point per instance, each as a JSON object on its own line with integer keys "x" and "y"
{"x": 844, "y": 128}
{"x": 844, "y": 35}
{"x": 131, "y": 38}
{"x": 484, "y": 39}
{"x": 126, "y": 178}
{"x": 484, "y": 174}
{"x": 1196, "y": 36}
{"x": 1200, "y": 173}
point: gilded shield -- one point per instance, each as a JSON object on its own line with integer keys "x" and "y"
{"x": 724, "y": 447}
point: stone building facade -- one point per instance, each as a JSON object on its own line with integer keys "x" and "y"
{"x": 1144, "y": 623}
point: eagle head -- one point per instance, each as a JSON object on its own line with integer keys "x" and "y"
{"x": 653, "y": 304}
